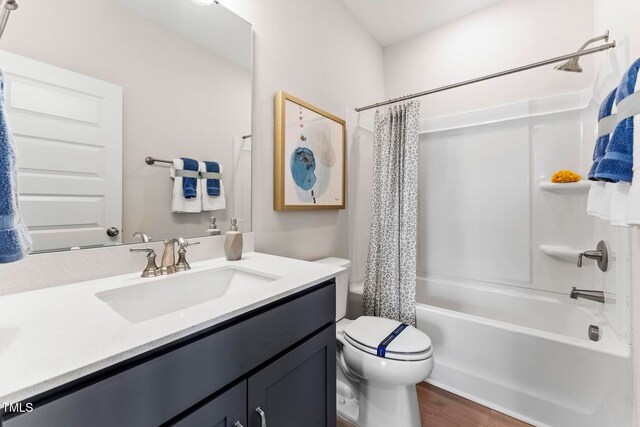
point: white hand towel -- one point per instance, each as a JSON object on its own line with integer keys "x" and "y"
{"x": 605, "y": 207}
{"x": 596, "y": 198}
{"x": 179, "y": 203}
{"x": 211, "y": 203}
{"x": 618, "y": 209}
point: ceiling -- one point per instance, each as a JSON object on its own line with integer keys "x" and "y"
{"x": 391, "y": 21}
{"x": 213, "y": 27}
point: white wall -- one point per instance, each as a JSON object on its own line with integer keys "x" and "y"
{"x": 509, "y": 34}
{"x": 174, "y": 103}
{"x": 317, "y": 51}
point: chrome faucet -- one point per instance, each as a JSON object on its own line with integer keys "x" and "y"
{"x": 143, "y": 236}
{"x": 169, "y": 264}
{"x": 597, "y": 296}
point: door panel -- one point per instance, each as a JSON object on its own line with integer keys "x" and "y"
{"x": 224, "y": 411}
{"x": 68, "y": 132}
{"x": 299, "y": 389}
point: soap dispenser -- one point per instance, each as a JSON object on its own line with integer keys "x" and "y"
{"x": 213, "y": 229}
{"x": 233, "y": 242}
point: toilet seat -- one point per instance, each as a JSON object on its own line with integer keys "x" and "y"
{"x": 366, "y": 334}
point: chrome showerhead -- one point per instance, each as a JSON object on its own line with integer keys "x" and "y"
{"x": 572, "y": 64}
{"x": 11, "y": 4}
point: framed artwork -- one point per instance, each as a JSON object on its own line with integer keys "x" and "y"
{"x": 309, "y": 157}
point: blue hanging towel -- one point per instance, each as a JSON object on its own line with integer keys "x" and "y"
{"x": 617, "y": 164}
{"x": 15, "y": 242}
{"x": 190, "y": 185}
{"x": 213, "y": 185}
{"x": 606, "y": 125}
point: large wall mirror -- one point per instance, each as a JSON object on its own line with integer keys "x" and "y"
{"x": 94, "y": 87}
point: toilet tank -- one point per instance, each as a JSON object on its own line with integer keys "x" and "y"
{"x": 342, "y": 284}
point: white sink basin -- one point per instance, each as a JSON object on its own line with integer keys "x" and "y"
{"x": 157, "y": 297}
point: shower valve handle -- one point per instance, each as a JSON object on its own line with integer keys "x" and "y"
{"x": 589, "y": 254}
{"x": 600, "y": 254}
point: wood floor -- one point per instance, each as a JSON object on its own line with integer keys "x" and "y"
{"x": 439, "y": 408}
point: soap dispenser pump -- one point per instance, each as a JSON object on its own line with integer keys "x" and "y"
{"x": 213, "y": 229}
{"x": 233, "y": 242}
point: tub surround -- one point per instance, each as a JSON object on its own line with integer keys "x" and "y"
{"x": 504, "y": 330}
{"x": 57, "y": 335}
{"x": 39, "y": 271}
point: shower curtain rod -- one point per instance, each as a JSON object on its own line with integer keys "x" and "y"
{"x": 494, "y": 75}
{"x": 7, "y": 7}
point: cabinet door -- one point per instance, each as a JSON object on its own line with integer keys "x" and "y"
{"x": 227, "y": 410}
{"x": 298, "y": 389}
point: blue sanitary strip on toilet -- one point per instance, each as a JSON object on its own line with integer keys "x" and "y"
{"x": 382, "y": 347}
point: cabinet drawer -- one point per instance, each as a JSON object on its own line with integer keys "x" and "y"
{"x": 157, "y": 389}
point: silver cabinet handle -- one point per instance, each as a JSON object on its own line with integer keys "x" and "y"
{"x": 237, "y": 424}
{"x": 263, "y": 417}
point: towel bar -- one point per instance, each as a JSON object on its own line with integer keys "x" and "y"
{"x": 186, "y": 173}
{"x": 151, "y": 160}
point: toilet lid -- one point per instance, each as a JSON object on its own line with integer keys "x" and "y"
{"x": 369, "y": 333}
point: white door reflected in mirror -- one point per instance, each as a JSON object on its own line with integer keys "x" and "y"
{"x": 68, "y": 132}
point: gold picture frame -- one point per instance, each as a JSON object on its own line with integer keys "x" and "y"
{"x": 310, "y": 157}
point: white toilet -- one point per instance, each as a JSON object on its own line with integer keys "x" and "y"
{"x": 373, "y": 390}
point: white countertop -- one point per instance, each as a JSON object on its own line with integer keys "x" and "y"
{"x": 52, "y": 336}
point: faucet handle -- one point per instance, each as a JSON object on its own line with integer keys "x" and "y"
{"x": 151, "y": 270}
{"x": 600, "y": 254}
{"x": 182, "y": 264}
{"x": 149, "y": 251}
{"x": 184, "y": 243}
{"x": 589, "y": 254}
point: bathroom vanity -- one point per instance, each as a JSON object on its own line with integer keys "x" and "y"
{"x": 264, "y": 356}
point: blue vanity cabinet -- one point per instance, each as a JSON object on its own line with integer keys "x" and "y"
{"x": 298, "y": 389}
{"x": 280, "y": 358}
{"x": 228, "y": 409}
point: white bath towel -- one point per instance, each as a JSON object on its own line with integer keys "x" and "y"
{"x": 618, "y": 204}
{"x": 596, "y": 198}
{"x": 179, "y": 203}
{"x": 211, "y": 203}
{"x": 632, "y": 216}
{"x": 605, "y": 206}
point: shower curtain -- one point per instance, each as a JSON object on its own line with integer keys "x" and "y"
{"x": 390, "y": 278}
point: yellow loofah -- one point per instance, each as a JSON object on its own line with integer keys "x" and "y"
{"x": 564, "y": 176}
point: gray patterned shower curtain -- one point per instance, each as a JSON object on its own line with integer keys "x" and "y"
{"x": 390, "y": 278}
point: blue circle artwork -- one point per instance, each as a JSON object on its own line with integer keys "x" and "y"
{"x": 303, "y": 165}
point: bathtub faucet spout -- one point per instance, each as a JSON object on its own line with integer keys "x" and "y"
{"x": 597, "y": 296}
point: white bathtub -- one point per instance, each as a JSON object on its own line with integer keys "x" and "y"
{"x": 525, "y": 355}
